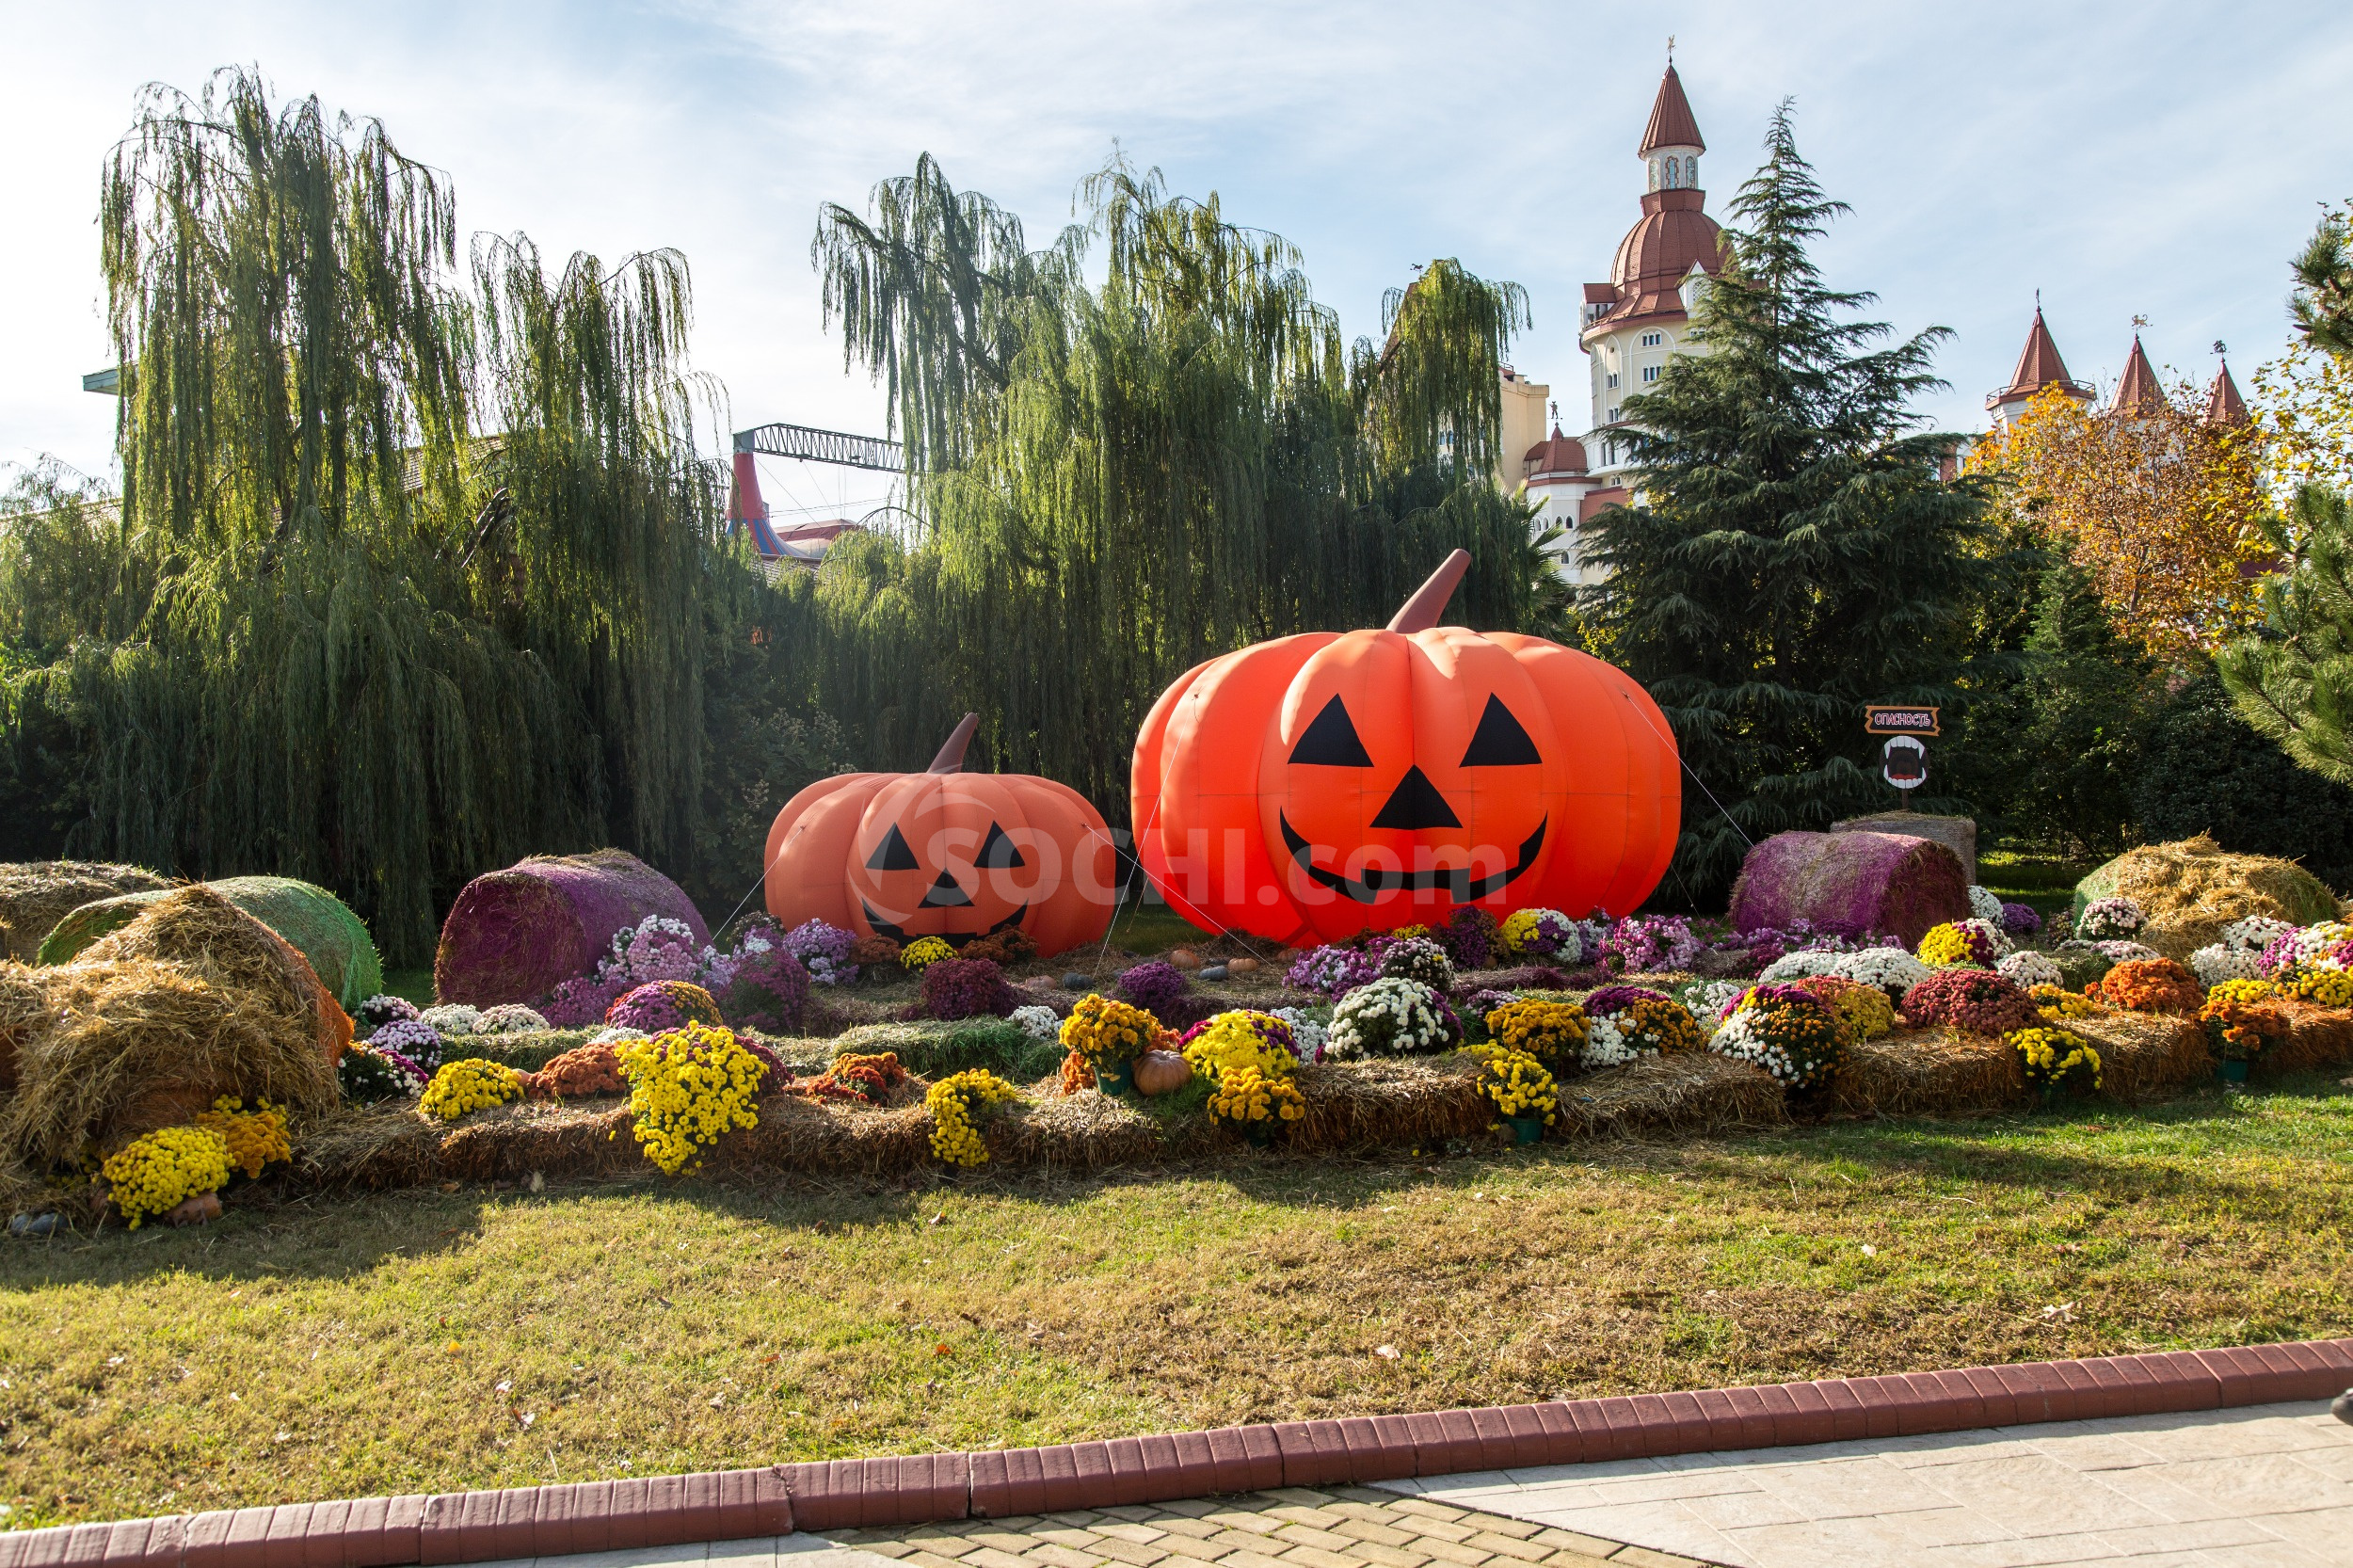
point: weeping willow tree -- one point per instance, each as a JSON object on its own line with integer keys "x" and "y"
{"x": 410, "y": 573}
{"x": 1116, "y": 480}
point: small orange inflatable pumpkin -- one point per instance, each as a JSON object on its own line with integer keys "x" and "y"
{"x": 1320, "y": 785}
{"x": 944, "y": 854}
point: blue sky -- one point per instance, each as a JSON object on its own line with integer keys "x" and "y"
{"x": 2126, "y": 159}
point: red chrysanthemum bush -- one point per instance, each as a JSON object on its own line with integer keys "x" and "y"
{"x": 1978, "y": 1001}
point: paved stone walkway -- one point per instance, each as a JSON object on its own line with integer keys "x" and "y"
{"x": 1342, "y": 1528}
{"x": 2265, "y": 1486}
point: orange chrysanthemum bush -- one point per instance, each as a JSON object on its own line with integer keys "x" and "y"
{"x": 2149, "y": 986}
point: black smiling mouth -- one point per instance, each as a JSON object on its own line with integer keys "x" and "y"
{"x": 953, "y": 939}
{"x": 1465, "y": 887}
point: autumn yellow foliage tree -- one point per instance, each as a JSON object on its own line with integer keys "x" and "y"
{"x": 2157, "y": 506}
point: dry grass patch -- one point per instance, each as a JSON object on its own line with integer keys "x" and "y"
{"x": 431, "y": 1339}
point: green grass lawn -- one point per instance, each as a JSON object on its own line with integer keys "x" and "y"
{"x": 2046, "y": 882}
{"x": 434, "y": 1339}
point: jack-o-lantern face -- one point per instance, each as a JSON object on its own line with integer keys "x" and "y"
{"x": 1315, "y": 786}
{"x": 944, "y": 854}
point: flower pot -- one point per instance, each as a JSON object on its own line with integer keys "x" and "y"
{"x": 1115, "y": 1077}
{"x": 2231, "y": 1072}
{"x": 1525, "y": 1130}
{"x": 1257, "y": 1135}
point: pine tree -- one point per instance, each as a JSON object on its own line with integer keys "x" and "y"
{"x": 1791, "y": 554}
{"x": 2293, "y": 680}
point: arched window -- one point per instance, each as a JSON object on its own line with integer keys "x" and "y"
{"x": 1673, "y": 166}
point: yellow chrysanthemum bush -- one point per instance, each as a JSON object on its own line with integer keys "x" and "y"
{"x": 1242, "y": 1039}
{"x": 958, "y": 1104}
{"x": 253, "y": 1137}
{"x": 154, "y": 1174}
{"x": 2058, "y": 1004}
{"x": 687, "y": 1087}
{"x": 1517, "y": 1084}
{"x": 1551, "y": 1031}
{"x": 1103, "y": 1030}
{"x": 469, "y": 1084}
{"x": 924, "y": 951}
{"x": 1248, "y": 1100}
{"x": 2054, "y": 1059}
{"x": 2322, "y": 987}
{"x": 1955, "y": 943}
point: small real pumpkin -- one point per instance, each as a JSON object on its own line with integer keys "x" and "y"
{"x": 1162, "y": 1072}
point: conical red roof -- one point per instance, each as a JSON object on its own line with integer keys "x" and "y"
{"x": 2139, "y": 389}
{"x": 2038, "y": 363}
{"x": 1670, "y": 121}
{"x": 2223, "y": 404}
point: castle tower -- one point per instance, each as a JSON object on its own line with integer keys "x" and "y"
{"x": 2039, "y": 367}
{"x": 1639, "y": 320}
{"x": 2137, "y": 390}
{"x": 2223, "y": 404}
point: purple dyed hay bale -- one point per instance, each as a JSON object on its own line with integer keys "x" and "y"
{"x": 1850, "y": 883}
{"x": 514, "y": 935}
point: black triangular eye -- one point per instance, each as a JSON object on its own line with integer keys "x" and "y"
{"x": 892, "y": 855}
{"x": 999, "y": 852}
{"x": 1500, "y": 742}
{"x": 945, "y": 894}
{"x": 1331, "y": 740}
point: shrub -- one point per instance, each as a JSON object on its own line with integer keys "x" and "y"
{"x": 2053, "y": 1058}
{"x": 375, "y": 1012}
{"x": 2204, "y": 770}
{"x": 967, "y": 989}
{"x": 1553, "y": 1032}
{"x": 662, "y": 1005}
{"x": 1540, "y": 933}
{"x": 1470, "y": 938}
{"x": 1862, "y": 1011}
{"x": 2110, "y": 920}
{"x": 413, "y": 1038}
{"x": 687, "y": 1086}
{"x": 2149, "y": 986}
{"x": 1391, "y": 1016}
{"x": 770, "y": 990}
{"x": 1978, "y": 1001}
{"x": 1333, "y": 970}
{"x": 1786, "y": 1033}
{"x": 1104, "y": 1030}
{"x": 367, "y": 1074}
{"x": 1955, "y": 942}
{"x": 1151, "y": 986}
{"x": 1419, "y": 958}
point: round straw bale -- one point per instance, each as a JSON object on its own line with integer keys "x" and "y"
{"x": 2192, "y": 888}
{"x": 333, "y": 940}
{"x": 1850, "y": 883}
{"x": 193, "y": 1000}
{"x": 516, "y": 934}
{"x": 35, "y": 894}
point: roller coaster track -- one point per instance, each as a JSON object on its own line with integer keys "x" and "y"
{"x": 823, "y": 446}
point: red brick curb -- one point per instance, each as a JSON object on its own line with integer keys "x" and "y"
{"x": 843, "y": 1494}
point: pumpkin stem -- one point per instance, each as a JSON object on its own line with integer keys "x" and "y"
{"x": 1422, "y": 611}
{"x": 951, "y": 758}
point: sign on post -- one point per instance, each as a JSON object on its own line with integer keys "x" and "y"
{"x": 1904, "y": 762}
{"x": 1883, "y": 719}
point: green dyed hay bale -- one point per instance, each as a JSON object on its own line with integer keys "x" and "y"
{"x": 35, "y": 894}
{"x": 319, "y": 925}
{"x": 2190, "y": 890}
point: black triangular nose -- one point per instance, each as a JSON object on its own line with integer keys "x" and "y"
{"x": 945, "y": 894}
{"x": 1416, "y": 803}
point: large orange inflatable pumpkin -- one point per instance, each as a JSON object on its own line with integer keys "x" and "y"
{"x": 1320, "y": 785}
{"x": 944, "y": 854}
